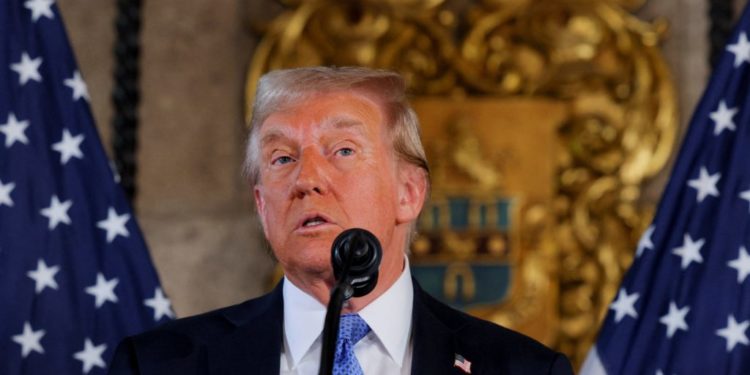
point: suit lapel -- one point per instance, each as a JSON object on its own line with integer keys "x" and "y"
{"x": 254, "y": 345}
{"x": 434, "y": 341}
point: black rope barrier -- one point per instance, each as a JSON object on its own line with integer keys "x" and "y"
{"x": 126, "y": 93}
{"x": 721, "y": 13}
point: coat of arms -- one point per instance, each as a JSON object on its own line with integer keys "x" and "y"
{"x": 488, "y": 213}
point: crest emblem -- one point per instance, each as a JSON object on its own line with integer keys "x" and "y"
{"x": 462, "y": 252}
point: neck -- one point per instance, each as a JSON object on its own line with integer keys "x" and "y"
{"x": 320, "y": 289}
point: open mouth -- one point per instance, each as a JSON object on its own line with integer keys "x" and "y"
{"x": 314, "y": 221}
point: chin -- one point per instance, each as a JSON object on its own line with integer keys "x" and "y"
{"x": 311, "y": 260}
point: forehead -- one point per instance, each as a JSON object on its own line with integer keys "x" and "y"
{"x": 341, "y": 110}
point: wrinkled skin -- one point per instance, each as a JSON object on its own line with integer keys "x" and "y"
{"x": 327, "y": 164}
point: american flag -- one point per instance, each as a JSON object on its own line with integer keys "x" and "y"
{"x": 462, "y": 363}
{"x": 75, "y": 275}
{"x": 684, "y": 305}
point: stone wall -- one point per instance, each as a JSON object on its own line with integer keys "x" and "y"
{"x": 194, "y": 209}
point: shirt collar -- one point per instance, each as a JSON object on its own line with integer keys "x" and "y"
{"x": 304, "y": 317}
{"x": 389, "y": 317}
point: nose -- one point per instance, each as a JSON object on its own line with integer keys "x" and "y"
{"x": 311, "y": 175}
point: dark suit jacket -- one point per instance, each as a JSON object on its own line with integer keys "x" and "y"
{"x": 247, "y": 339}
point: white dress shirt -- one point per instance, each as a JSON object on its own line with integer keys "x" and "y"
{"x": 386, "y": 349}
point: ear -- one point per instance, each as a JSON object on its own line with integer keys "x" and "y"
{"x": 260, "y": 206}
{"x": 411, "y": 192}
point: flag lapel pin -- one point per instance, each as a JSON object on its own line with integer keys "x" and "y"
{"x": 462, "y": 363}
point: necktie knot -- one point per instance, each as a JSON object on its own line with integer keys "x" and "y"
{"x": 352, "y": 328}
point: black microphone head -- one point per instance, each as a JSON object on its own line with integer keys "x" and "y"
{"x": 364, "y": 252}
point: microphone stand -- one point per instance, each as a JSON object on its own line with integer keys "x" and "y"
{"x": 355, "y": 257}
{"x": 341, "y": 292}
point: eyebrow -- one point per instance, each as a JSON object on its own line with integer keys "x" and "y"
{"x": 272, "y": 136}
{"x": 336, "y": 122}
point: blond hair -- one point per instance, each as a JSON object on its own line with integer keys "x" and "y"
{"x": 280, "y": 89}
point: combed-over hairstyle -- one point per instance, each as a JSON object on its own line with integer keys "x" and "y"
{"x": 281, "y": 89}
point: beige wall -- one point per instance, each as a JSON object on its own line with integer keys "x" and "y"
{"x": 686, "y": 50}
{"x": 193, "y": 207}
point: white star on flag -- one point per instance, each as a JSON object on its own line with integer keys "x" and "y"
{"x": 27, "y": 69}
{"x": 734, "y": 333}
{"x": 103, "y": 290}
{"x": 675, "y": 319}
{"x": 746, "y": 196}
{"x": 741, "y": 264}
{"x": 705, "y": 184}
{"x": 77, "y": 294}
{"x": 690, "y": 251}
{"x": 44, "y": 276}
{"x": 722, "y": 118}
{"x": 80, "y": 90}
{"x": 57, "y": 212}
{"x": 29, "y": 340}
{"x": 741, "y": 50}
{"x": 91, "y": 356}
{"x": 114, "y": 225}
{"x": 40, "y": 8}
{"x": 624, "y": 305}
{"x": 694, "y": 310}
{"x": 645, "y": 241}
{"x": 14, "y": 130}
{"x": 160, "y": 304}
{"x": 69, "y": 146}
{"x": 5, "y": 190}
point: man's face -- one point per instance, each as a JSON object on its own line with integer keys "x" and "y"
{"x": 327, "y": 164}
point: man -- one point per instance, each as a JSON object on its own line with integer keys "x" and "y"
{"x": 332, "y": 149}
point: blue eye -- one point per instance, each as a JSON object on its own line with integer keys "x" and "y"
{"x": 346, "y": 151}
{"x": 282, "y": 160}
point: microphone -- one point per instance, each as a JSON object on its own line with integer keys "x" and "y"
{"x": 361, "y": 249}
{"x": 355, "y": 257}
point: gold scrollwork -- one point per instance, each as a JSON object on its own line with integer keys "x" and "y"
{"x": 594, "y": 56}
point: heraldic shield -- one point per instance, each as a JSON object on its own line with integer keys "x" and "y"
{"x": 487, "y": 215}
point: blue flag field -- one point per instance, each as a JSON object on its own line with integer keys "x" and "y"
{"x": 75, "y": 275}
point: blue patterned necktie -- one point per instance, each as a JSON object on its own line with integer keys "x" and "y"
{"x": 351, "y": 329}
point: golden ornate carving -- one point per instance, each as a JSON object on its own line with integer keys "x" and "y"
{"x": 593, "y": 57}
